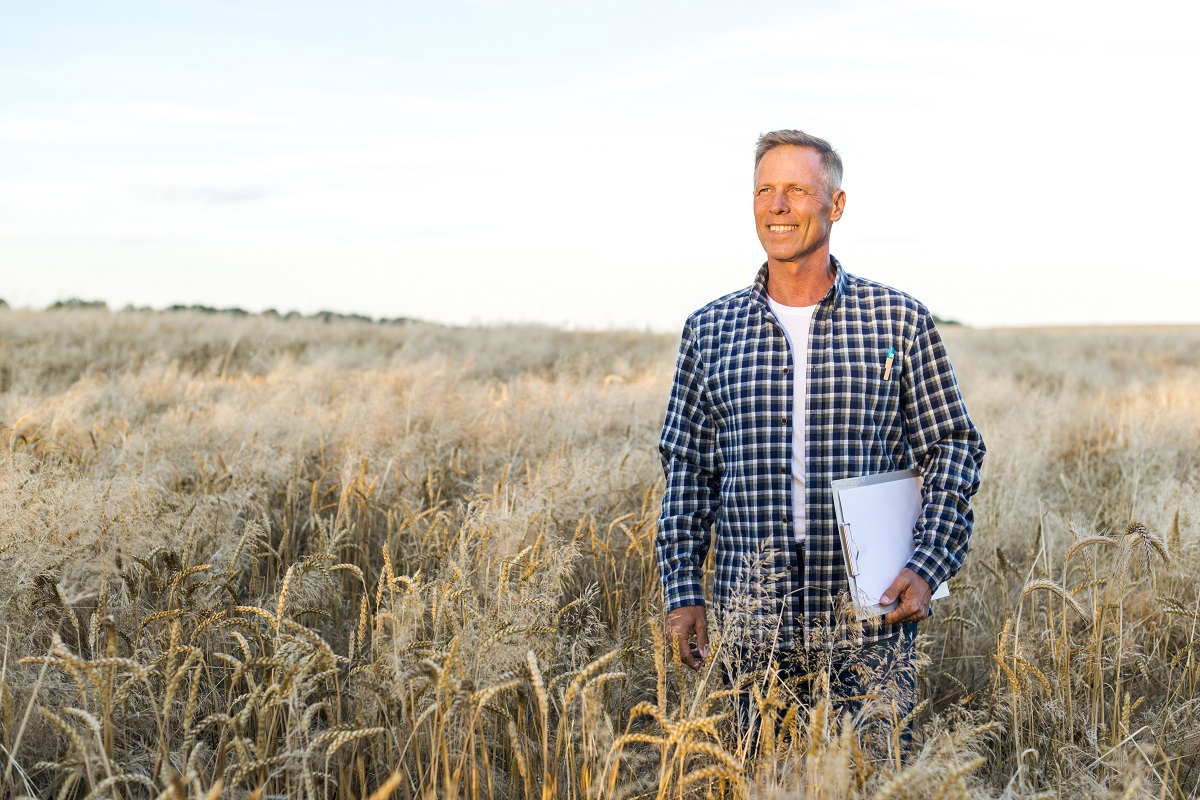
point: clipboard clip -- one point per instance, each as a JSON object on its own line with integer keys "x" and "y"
{"x": 851, "y": 550}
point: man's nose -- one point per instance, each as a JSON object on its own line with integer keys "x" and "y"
{"x": 778, "y": 203}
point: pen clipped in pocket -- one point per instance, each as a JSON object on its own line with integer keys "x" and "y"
{"x": 889, "y": 363}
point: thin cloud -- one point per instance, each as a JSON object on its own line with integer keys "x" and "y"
{"x": 202, "y": 195}
{"x": 185, "y": 114}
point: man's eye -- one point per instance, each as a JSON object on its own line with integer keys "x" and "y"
{"x": 797, "y": 190}
{"x": 763, "y": 190}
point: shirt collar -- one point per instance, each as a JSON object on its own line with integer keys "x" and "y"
{"x": 758, "y": 292}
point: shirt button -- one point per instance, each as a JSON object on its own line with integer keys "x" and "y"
{"x": 784, "y": 420}
{"x": 786, "y": 370}
{"x": 786, "y": 520}
{"x": 783, "y": 470}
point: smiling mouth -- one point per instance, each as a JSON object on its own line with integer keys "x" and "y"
{"x": 782, "y": 228}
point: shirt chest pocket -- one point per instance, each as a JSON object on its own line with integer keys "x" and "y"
{"x": 871, "y": 392}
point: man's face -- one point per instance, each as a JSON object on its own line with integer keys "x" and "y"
{"x": 793, "y": 209}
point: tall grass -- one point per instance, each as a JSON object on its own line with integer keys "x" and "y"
{"x": 245, "y": 556}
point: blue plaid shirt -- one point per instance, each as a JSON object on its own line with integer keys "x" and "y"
{"x": 726, "y": 449}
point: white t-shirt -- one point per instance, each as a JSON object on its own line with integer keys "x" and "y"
{"x": 796, "y": 322}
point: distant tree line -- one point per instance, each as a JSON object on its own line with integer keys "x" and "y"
{"x": 75, "y": 303}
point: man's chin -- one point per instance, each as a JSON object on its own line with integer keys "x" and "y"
{"x": 777, "y": 253}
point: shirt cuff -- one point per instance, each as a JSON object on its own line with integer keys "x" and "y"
{"x": 931, "y": 569}
{"x": 683, "y": 592}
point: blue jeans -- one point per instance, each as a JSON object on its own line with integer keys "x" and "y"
{"x": 874, "y": 684}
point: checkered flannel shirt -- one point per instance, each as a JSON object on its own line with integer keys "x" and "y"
{"x": 726, "y": 449}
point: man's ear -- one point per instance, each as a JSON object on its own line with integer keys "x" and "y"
{"x": 839, "y": 205}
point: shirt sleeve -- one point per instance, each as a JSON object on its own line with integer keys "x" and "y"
{"x": 949, "y": 452}
{"x": 691, "y": 498}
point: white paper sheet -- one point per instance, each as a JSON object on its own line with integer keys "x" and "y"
{"x": 881, "y": 518}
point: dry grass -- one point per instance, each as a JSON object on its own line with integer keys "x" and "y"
{"x": 248, "y": 557}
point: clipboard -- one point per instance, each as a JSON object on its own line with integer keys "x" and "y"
{"x": 876, "y": 515}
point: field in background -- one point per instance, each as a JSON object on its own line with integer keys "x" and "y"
{"x": 244, "y": 556}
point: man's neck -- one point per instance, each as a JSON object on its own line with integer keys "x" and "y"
{"x": 800, "y": 283}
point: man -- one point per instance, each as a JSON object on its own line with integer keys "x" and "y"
{"x": 807, "y": 376}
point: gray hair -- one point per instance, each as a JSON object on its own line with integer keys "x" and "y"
{"x": 831, "y": 162}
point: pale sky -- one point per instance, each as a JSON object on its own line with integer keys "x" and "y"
{"x": 589, "y": 162}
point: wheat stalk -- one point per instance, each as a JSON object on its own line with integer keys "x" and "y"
{"x": 283, "y": 593}
{"x": 1054, "y": 588}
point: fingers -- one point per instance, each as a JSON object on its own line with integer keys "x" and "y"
{"x": 689, "y": 652}
{"x": 683, "y": 624}
{"x": 896, "y": 590}
{"x": 678, "y": 630}
{"x": 702, "y": 635}
{"x": 912, "y": 596}
{"x": 908, "y": 610}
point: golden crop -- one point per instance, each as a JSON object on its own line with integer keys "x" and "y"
{"x": 250, "y": 557}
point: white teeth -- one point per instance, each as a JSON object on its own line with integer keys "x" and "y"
{"x": 781, "y": 228}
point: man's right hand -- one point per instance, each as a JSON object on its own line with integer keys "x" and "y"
{"x": 682, "y": 624}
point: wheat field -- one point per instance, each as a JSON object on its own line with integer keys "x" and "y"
{"x": 244, "y": 556}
